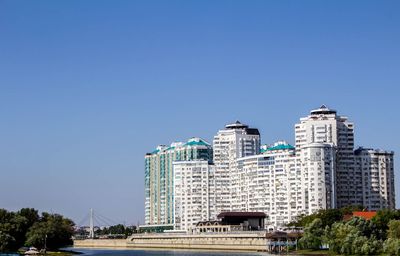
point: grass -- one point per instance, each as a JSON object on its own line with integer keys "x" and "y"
{"x": 59, "y": 253}
{"x": 311, "y": 252}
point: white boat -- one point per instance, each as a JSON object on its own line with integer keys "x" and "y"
{"x": 32, "y": 251}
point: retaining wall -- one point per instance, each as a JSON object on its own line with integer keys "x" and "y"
{"x": 239, "y": 242}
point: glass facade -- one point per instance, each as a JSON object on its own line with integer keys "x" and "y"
{"x": 159, "y": 177}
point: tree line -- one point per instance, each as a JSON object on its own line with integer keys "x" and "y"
{"x": 118, "y": 229}
{"x": 27, "y": 228}
{"x": 355, "y": 236}
{"x": 115, "y": 231}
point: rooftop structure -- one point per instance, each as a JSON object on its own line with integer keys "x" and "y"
{"x": 323, "y": 110}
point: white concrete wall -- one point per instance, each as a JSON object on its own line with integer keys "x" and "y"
{"x": 255, "y": 241}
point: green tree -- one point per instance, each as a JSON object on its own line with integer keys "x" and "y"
{"x": 328, "y": 217}
{"x": 116, "y": 229}
{"x": 8, "y": 229}
{"x": 19, "y": 226}
{"x": 56, "y": 228}
{"x": 355, "y": 237}
{"x": 340, "y": 238}
{"x": 14, "y": 226}
{"x": 382, "y": 219}
{"x": 25, "y": 227}
{"x": 6, "y": 242}
{"x": 37, "y": 234}
{"x": 313, "y": 233}
{"x": 30, "y": 214}
{"x": 394, "y": 229}
{"x": 371, "y": 246}
{"x": 392, "y": 246}
{"x": 130, "y": 230}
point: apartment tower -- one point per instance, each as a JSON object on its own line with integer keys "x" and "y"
{"x": 159, "y": 177}
{"x": 377, "y": 170}
{"x": 235, "y": 141}
{"x": 323, "y": 125}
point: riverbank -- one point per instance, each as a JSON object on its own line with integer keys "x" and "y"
{"x": 50, "y": 253}
{"x": 252, "y": 242}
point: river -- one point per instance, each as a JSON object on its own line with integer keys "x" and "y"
{"x": 98, "y": 252}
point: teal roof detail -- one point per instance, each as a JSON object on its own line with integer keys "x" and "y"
{"x": 155, "y": 151}
{"x": 196, "y": 143}
{"x": 278, "y": 147}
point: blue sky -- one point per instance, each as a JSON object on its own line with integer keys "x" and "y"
{"x": 88, "y": 87}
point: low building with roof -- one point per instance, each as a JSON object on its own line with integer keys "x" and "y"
{"x": 280, "y": 241}
{"x": 233, "y": 222}
{"x": 249, "y": 220}
{"x": 366, "y": 215}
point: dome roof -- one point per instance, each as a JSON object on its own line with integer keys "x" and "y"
{"x": 323, "y": 110}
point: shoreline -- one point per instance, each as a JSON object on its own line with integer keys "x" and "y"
{"x": 166, "y": 249}
{"x": 210, "y": 242}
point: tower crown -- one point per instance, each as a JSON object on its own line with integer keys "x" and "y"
{"x": 236, "y": 125}
{"x": 323, "y": 110}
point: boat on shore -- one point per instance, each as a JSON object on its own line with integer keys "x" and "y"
{"x": 32, "y": 251}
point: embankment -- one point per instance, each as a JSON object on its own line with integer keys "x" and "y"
{"x": 253, "y": 241}
{"x": 100, "y": 243}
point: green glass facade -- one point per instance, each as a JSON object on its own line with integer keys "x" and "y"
{"x": 159, "y": 177}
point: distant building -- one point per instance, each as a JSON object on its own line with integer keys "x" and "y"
{"x": 159, "y": 177}
{"x": 377, "y": 171}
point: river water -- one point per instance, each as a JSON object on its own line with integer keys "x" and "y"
{"x": 113, "y": 252}
{"x": 98, "y": 252}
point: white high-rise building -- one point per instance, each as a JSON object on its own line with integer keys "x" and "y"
{"x": 317, "y": 164}
{"x": 183, "y": 186}
{"x": 323, "y": 125}
{"x": 284, "y": 185}
{"x": 269, "y": 183}
{"x": 236, "y": 140}
{"x": 194, "y": 193}
{"x": 377, "y": 169}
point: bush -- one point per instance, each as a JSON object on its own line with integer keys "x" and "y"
{"x": 392, "y": 246}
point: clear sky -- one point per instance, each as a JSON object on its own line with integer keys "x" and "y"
{"x": 88, "y": 87}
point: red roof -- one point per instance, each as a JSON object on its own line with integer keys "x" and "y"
{"x": 364, "y": 215}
